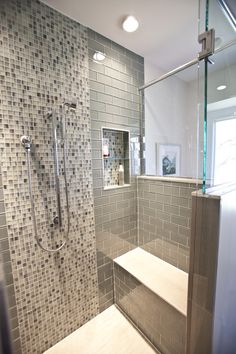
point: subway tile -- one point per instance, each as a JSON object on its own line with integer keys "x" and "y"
{"x": 155, "y": 205}
{"x": 172, "y": 229}
{"x": 2, "y": 219}
{"x": 103, "y": 79}
{"x": 179, "y": 220}
{"x": 162, "y": 198}
{"x": 92, "y": 75}
{"x": 179, "y": 201}
{"x": 185, "y": 192}
{"x": 101, "y": 97}
{"x": 150, "y": 196}
{"x": 149, "y": 211}
{"x": 172, "y": 209}
{"x": 97, "y": 86}
{"x": 186, "y": 212}
{"x": 3, "y": 232}
{"x": 111, "y": 89}
{"x": 168, "y": 226}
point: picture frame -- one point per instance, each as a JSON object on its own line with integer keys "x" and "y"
{"x": 168, "y": 159}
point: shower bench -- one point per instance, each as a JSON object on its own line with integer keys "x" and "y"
{"x": 153, "y": 295}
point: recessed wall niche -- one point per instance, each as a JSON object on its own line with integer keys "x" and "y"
{"x": 116, "y": 158}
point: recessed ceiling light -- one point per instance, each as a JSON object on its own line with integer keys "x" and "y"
{"x": 130, "y": 24}
{"x": 99, "y": 56}
{"x": 221, "y": 87}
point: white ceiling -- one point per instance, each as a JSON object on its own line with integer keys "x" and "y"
{"x": 168, "y": 30}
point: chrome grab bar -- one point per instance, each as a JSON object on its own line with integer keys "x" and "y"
{"x": 57, "y": 172}
{"x": 27, "y": 143}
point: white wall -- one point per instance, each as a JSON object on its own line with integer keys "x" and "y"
{"x": 170, "y": 117}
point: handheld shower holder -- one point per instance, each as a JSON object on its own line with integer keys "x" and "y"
{"x": 26, "y": 142}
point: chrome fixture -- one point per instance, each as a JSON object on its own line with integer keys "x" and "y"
{"x": 207, "y": 39}
{"x": 27, "y": 144}
{"x": 70, "y": 105}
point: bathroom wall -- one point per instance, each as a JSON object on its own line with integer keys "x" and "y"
{"x": 5, "y": 262}
{"x": 164, "y": 218}
{"x": 114, "y": 103}
{"x": 43, "y": 61}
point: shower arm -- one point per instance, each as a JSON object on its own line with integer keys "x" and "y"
{"x": 27, "y": 143}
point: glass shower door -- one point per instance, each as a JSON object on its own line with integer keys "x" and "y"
{"x": 220, "y": 96}
{"x": 220, "y": 164}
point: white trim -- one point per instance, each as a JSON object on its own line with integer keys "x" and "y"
{"x": 172, "y": 179}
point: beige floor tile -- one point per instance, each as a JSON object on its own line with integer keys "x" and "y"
{"x": 108, "y": 333}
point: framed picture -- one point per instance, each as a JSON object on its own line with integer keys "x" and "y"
{"x": 168, "y": 160}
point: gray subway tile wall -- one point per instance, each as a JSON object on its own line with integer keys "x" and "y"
{"x": 114, "y": 103}
{"x": 164, "y": 219}
{"x": 161, "y": 323}
{"x": 44, "y": 61}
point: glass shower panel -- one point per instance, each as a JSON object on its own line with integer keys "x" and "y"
{"x": 220, "y": 97}
{"x": 172, "y": 126}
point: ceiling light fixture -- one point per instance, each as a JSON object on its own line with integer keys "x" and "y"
{"x": 99, "y": 56}
{"x": 130, "y": 24}
{"x": 221, "y": 87}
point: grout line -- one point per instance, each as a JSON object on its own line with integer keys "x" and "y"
{"x": 137, "y": 328}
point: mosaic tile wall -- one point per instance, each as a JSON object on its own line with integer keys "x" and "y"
{"x": 164, "y": 214}
{"x": 115, "y": 103}
{"x": 162, "y": 324}
{"x": 44, "y": 60}
{"x": 5, "y": 262}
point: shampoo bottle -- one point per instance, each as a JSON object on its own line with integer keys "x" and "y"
{"x": 121, "y": 175}
{"x": 105, "y": 147}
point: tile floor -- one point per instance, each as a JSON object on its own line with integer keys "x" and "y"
{"x": 108, "y": 333}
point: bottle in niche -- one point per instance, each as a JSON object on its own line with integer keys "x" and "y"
{"x": 105, "y": 148}
{"x": 121, "y": 175}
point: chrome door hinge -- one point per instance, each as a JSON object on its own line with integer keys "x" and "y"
{"x": 207, "y": 39}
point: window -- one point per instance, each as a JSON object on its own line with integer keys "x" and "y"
{"x": 224, "y": 166}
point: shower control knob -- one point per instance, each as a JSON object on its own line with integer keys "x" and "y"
{"x": 56, "y": 220}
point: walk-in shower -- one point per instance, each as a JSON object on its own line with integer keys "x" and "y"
{"x": 87, "y": 257}
{"x": 59, "y": 138}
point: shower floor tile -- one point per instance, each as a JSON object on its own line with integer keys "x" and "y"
{"x": 108, "y": 333}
